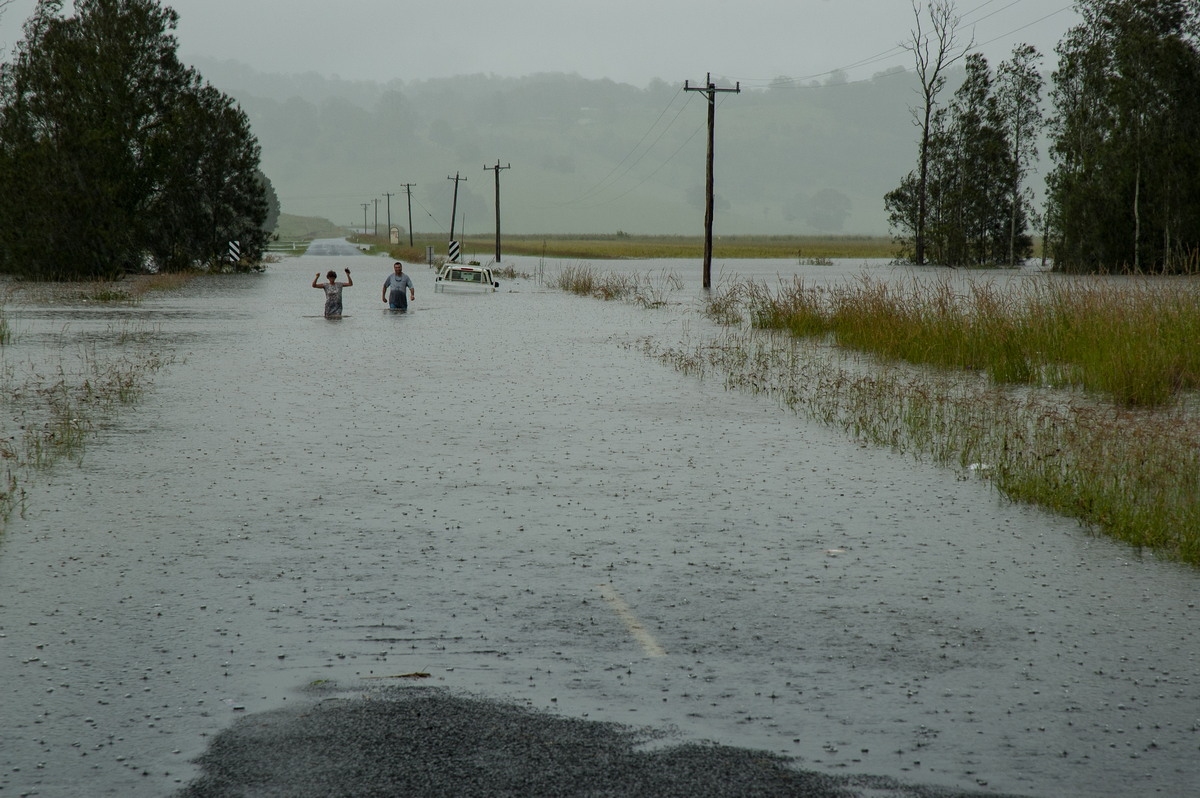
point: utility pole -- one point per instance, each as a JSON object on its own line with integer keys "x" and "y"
{"x": 389, "y": 215}
{"x": 711, "y": 90}
{"x": 408, "y": 189}
{"x": 453, "y": 213}
{"x": 365, "y": 206}
{"x": 376, "y": 201}
{"x": 497, "y": 169}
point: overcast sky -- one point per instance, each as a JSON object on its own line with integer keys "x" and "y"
{"x": 630, "y": 41}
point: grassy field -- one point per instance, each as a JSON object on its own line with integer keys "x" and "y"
{"x": 621, "y": 246}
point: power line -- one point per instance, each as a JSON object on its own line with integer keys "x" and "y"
{"x": 803, "y": 81}
{"x": 651, "y": 174}
{"x": 599, "y": 185}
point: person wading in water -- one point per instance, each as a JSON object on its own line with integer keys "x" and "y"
{"x": 397, "y": 282}
{"x": 333, "y": 291}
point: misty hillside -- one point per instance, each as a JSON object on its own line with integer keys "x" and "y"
{"x": 586, "y": 155}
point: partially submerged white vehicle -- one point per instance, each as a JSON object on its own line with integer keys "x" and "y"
{"x": 465, "y": 277}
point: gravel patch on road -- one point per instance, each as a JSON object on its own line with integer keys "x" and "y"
{"x": 430, "y": 742}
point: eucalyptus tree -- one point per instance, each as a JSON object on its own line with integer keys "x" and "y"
{"x": 968, "y": 168}
{"x": 1019, "y": 103}
{"x": 113, "y": 155}
{"x": 208, "y": 190}
{"x": 977, "y": 165}
{"x": 1125, "y": 192}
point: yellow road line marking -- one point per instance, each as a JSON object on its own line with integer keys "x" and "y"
{"x": 640, "y": 633}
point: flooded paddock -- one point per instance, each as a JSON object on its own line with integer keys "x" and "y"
{"x": 501, "y": 491}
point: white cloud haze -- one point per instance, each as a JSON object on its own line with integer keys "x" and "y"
{"x": 770, "y": 184}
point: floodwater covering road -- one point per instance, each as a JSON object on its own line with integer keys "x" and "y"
{"x": 498, "y": 491}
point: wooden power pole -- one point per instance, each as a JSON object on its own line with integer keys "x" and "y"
{"x": 497, "y": 169}
{"x": 389, "y": 214}
{"x": 408, "y": 189}
{"x": 710, "y": 90}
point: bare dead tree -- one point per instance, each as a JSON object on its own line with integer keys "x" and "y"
{"x": 935, "y": 47}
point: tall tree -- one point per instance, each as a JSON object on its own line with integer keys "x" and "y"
{"x": 977, "y": 164}
{"x": 935, "y": 48}
{"x": 1019, "y": 102}
{"x": 1124, "y": 192}
{"x": 208, "y": 189}
{"x": 969, "y": 162}
{"x": 113, "y": 155}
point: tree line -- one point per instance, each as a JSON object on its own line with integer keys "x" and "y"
{"x": 1124, "y": 190}
{"x": 115, "y": 157}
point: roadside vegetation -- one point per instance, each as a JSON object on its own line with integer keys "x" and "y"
{"x": 117, "y": 157}
{"x": 1078, "y": 395}
{"x": 649, "y": 291}
{"x": 56, "y": 396}
{"x": 1131, "y": 340}
{"x": 1075, "y": 394}
{"x": 1122, "y": 195}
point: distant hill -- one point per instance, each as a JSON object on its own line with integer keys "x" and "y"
{"x": 307, "y": 227}
{"x": 586, "y": 155}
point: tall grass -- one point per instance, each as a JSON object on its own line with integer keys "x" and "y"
{"x": 1131, "y": 473}
{"x": 1130, "y": 339}
{"x": 1120, "y": 449}
{"x": 1074, "y": 394}
{"x": 646, "y": 290}
{"x": 130, "y": 290}
{"x": 53, "y": 409}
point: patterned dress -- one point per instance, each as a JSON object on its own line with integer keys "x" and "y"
{"x": 333, "y": 298}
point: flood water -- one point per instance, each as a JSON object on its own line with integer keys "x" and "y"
{"x": 494, "y": 490}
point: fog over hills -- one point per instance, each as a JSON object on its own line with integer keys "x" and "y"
{"x": 586, "y": 155}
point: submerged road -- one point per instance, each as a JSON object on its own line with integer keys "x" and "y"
{"x": 488, "y": 547}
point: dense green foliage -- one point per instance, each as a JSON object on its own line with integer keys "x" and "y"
{"x": 971, "y": 208}
{"x": 114, "y": 157}
{"x": 1125, "y": 191}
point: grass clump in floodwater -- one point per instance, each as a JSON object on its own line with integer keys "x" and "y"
{"x": 130, "y": 290}
{"x": 54, "y": 406}
{"x": 642, "y": 289}
{"x": 1119, "y": 450}
{"x": 1129, "y": 472}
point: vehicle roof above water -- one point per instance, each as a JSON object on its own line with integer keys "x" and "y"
{"x": 484, "y": 272}
{"x": 464, "y": 275}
